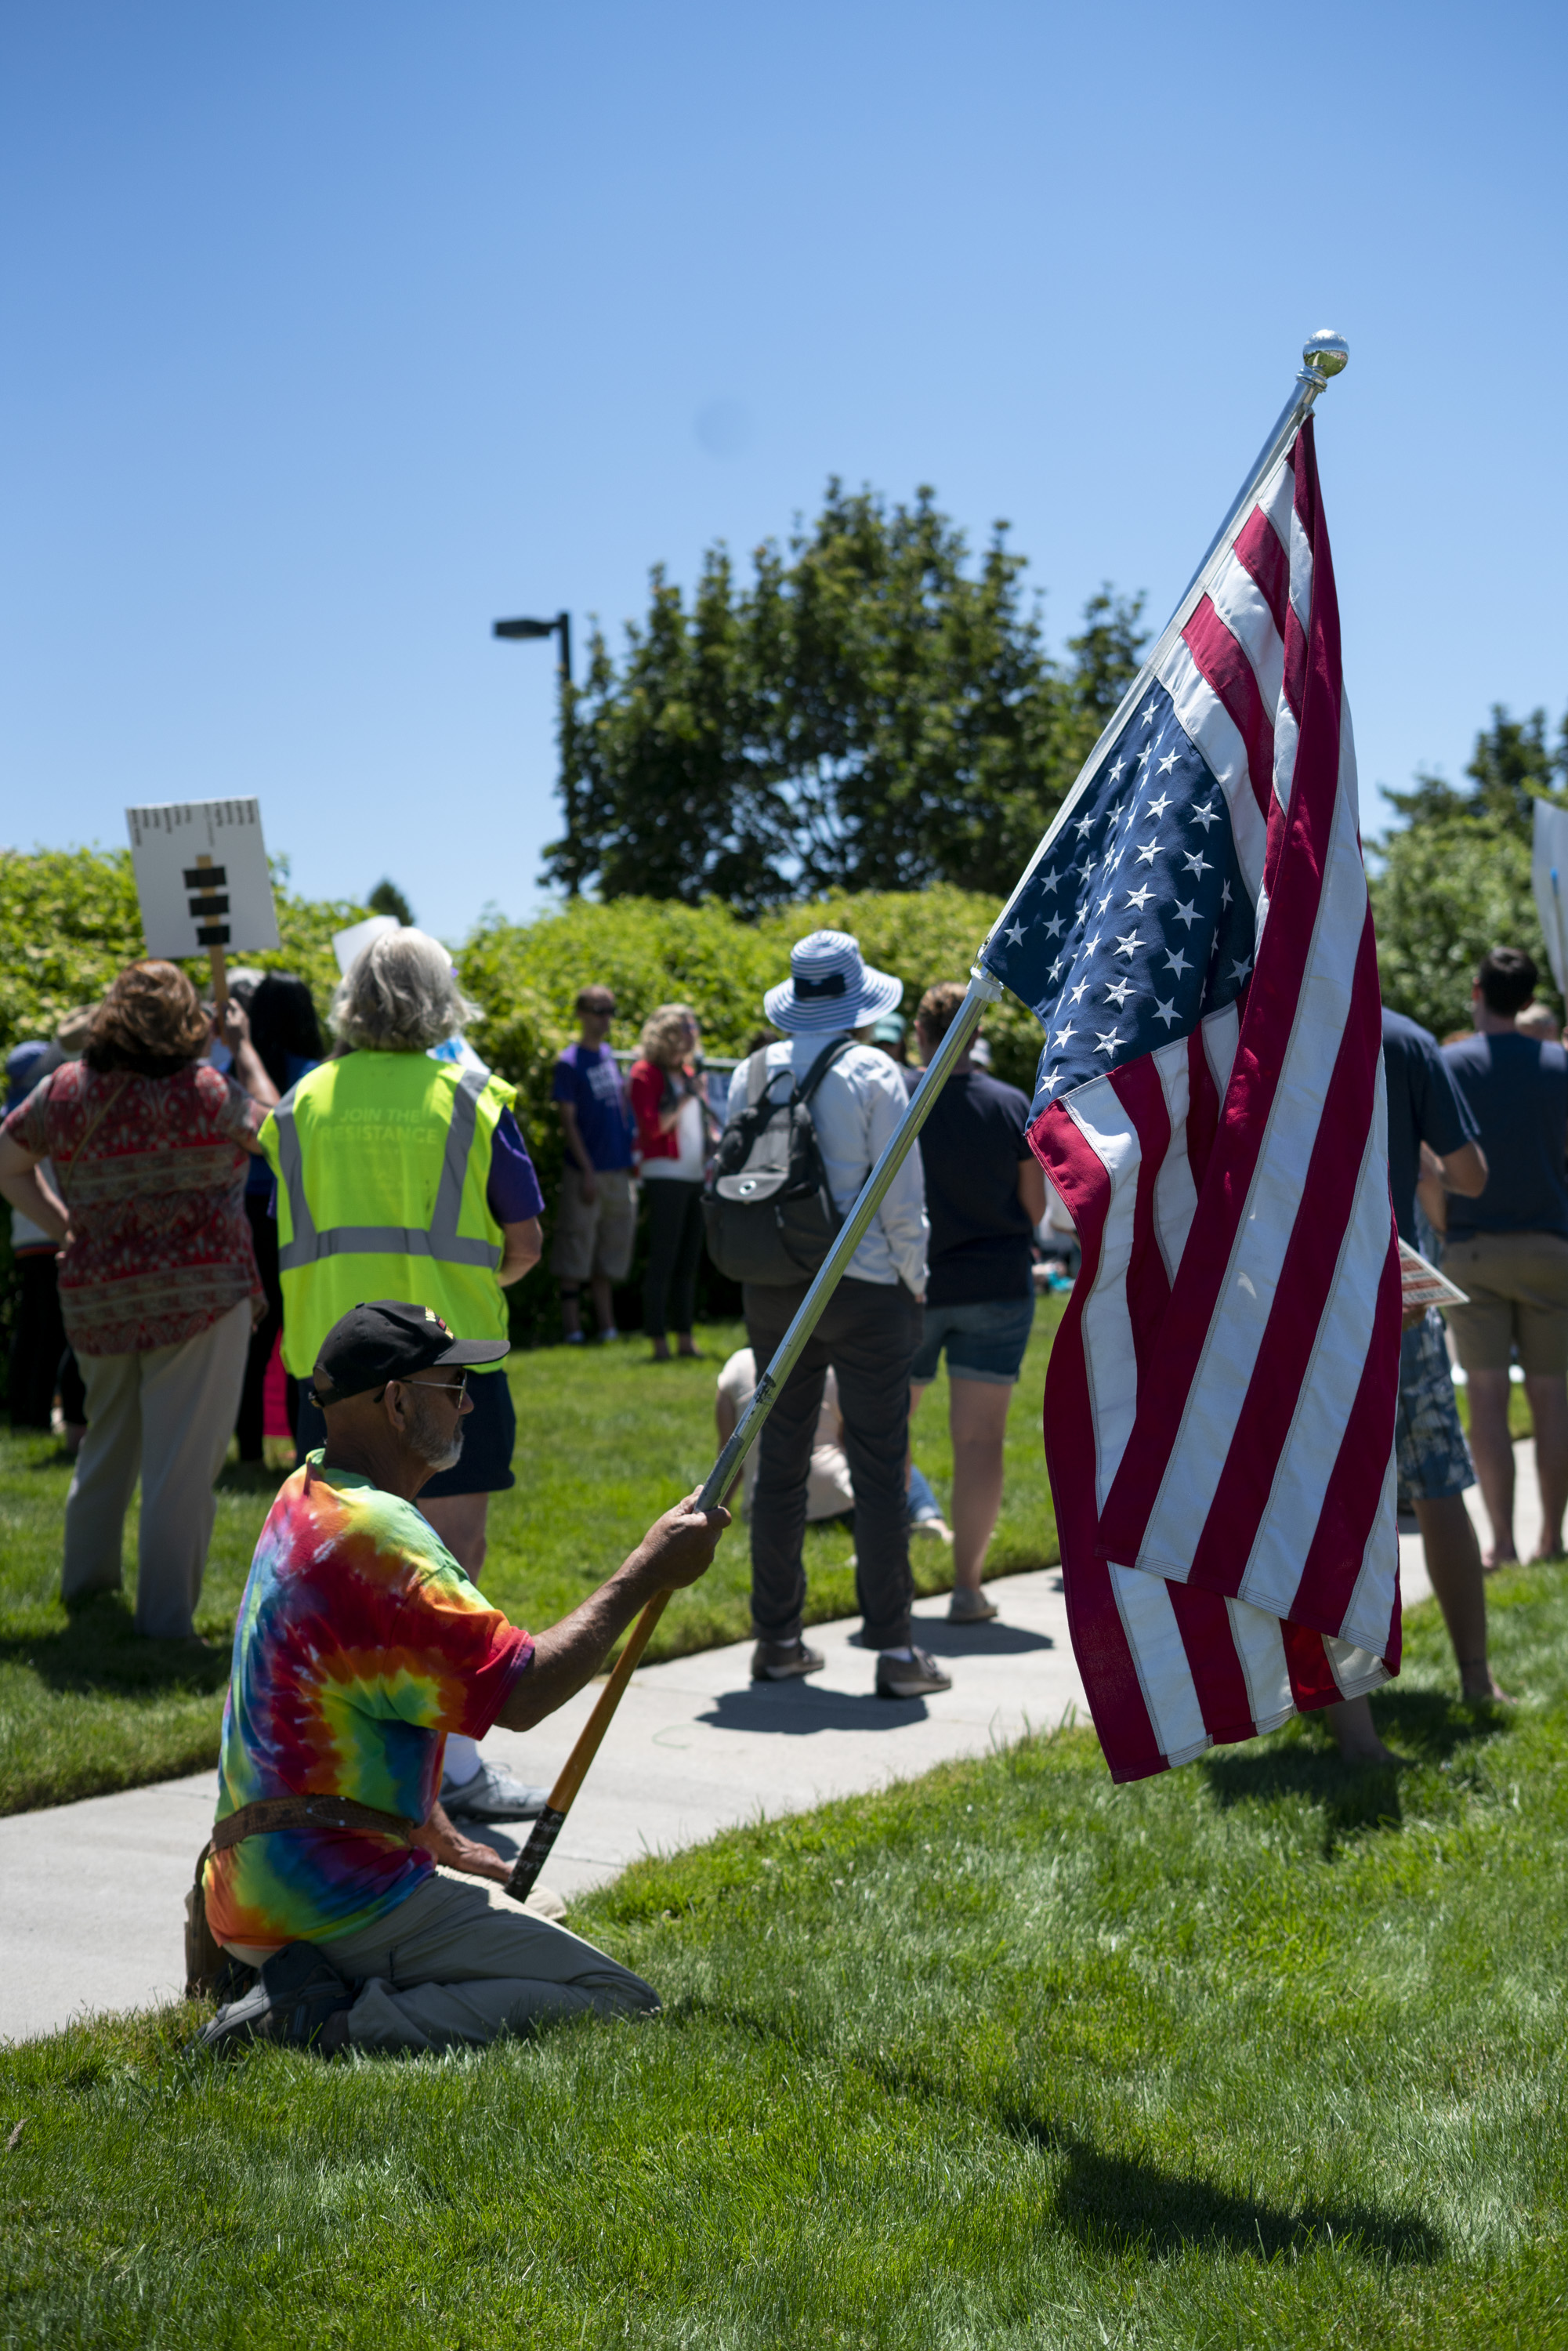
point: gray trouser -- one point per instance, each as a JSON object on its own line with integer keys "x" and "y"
{"x": 460, "y": 1962}
{"x": 165, "y": 1416}
{"x": 868, "y": 1333}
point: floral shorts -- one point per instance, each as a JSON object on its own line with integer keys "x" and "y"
{"x": 1431, "y": 1458}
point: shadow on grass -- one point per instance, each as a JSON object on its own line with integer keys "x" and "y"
{"x": 1423, "y": 1726}
{"x": 1123, "y": 2203}
{"x": 1351, "y": 1795}
{"x": 99, "y": 1650}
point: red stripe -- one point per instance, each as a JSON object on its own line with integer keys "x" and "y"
{"x": 1311, "y": 1676}
{"x": 1354, "y": 1490}
{"x": 1305, "y": 1280}
{"x": 1099, "y": 1637}
{"x": 1260, "y": 553}
{"x": 1260, "y": 1054}
{"x": 1137, "y": 1087}
{"x": 1202, "y": 1108}
{"x": 1227, "y": 670}
{"x": 1203, "y": 1622}
{"x": 1394, "y": 1649}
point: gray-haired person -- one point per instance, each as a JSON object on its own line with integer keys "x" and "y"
{"x": 402, "y": 1175}
{"x": 868, "y": 1333}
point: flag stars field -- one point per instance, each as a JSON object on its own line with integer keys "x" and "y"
{"x": 1168, "y": 836}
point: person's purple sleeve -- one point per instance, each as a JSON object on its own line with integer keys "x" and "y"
{"x": 563, "y": 1085}
{"x": 513, "y": 1191}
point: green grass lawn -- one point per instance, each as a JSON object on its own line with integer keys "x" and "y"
{"x": 1266, "y": 2052}
{"x": 605, "y": 1442}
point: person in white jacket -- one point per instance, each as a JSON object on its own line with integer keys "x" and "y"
{"x": 868, "y": 1333}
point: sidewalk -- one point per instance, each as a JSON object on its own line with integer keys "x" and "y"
{"x": 95, "y": 1891}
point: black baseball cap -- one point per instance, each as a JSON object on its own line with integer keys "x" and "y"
{"x": 390, "y": 1341}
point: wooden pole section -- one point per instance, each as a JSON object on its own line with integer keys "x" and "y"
{"x": 574, "y": 1770}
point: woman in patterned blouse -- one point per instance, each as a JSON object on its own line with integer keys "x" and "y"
{"x": 158, "y": 1278}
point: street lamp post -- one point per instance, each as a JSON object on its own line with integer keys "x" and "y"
{"x": 559, "y": 627}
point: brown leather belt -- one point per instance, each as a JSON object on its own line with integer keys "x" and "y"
{"x": 307, "y": 1812}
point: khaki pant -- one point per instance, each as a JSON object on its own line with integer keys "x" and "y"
{"x": 594, "y": 1237}
{"x": 460, "y": 1962}
{"x": 1517, "y": 1284}
{"x": 165, "y": 1416}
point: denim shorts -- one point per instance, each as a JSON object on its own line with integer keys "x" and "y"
{"x": 1431, "y": 1458}
{"x": 985, "y": 1341}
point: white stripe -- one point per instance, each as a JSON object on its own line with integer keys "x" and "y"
{"x": 1208, "y": 725}
{"x": 1372, "y": 1601}
{"x": 1240, "y": 604}
{"x": 1235, "y": 1333}
{"x": 1260, "y": 1652}
{"x": 1356, "y": 1670}
{"x": 1287, "y": 733}
{"x": 1159, "y": 1658}
{"x": 1176, "y": 1194}
{"x": 1301, "y": 554}
{"x": 1110, "y": 1364}
{"x": 1277, "y": 502}
{"x": 1327, "y": 1400}
{"x": 1219, "y": 1033}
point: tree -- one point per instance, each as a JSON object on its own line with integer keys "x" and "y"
{"x": 1455, "y": 878}
{"x": 386, "y": 898}
{"x": 866, "y": 713}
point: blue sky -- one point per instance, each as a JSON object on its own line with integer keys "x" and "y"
{"x": 332, "y": 333}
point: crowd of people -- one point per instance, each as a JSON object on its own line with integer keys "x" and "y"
{"x": 193, "y": 1190}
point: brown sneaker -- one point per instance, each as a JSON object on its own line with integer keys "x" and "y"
{"x": 780, "y": 1661}
{"x": 916, "y": 1675}
{"x": 968, "y": 1608}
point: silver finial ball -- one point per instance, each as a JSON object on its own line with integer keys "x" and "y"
{"x": 1326, "y": 351}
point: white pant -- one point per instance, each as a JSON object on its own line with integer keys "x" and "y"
{"x": 167, "y": 1416}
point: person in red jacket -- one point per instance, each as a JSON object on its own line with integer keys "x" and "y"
{"x": 671, "y": 1135}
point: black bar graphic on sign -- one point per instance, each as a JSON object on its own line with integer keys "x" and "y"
{"x": 205, "y": 877}
{"x": 210, "y": 905}
{"x": 212, "y": 934}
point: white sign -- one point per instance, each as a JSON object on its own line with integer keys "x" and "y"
{"x": 202, "y": 877}
{"x": 1548, "y": 871}
{"x": 346, "y": 945}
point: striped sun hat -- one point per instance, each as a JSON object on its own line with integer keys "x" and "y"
{"x": 830, "y": 987}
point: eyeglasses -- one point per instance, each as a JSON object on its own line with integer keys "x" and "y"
{"x": 459, "y": 1384}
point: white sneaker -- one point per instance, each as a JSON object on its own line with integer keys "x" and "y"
{"x": 492, "y": 1794}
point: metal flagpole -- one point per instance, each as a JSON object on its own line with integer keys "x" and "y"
{"x": 1323, "y": 356}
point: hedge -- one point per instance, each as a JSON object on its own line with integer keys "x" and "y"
{"x": 69, "y": 920}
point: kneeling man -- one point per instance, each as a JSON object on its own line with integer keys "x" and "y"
{"x": 361, "y": 1644}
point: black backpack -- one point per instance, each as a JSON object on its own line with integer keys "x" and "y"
{"x": 770, "y": 1214}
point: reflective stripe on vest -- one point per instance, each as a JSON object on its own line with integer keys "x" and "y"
{"x": 441, "y": 1241}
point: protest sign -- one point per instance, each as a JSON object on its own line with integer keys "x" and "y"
{"x": 202, "y": 880}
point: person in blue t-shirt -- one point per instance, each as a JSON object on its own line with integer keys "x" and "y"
{"x": 597, "y": 1214}
{"x": 985, "y": 1194}
{"x": 1508, "y": 1250}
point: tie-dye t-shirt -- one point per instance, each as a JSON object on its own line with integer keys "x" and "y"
{"x": 361, "y": 1644}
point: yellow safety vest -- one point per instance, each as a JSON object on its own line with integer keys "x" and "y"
{"x": 383, "y": 1161}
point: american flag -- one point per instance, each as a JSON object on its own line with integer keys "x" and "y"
{"x": 1195, "y": 936}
